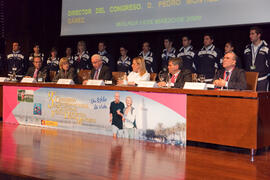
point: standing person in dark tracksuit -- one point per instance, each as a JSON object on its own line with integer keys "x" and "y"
{"x": 106, "y": 57}
{"x": 208, "y": 59}
{"x": 53, "y": 61}
{"x": 167, "y": 53}
{"x": 187, "y": 53}
{"x": 148, "y": 56}
{"x": 257, "y": 58}
{"x": 16, "y": 61}
{"x": 69, "y": 56}
{"x": 36, "y": 53}
{"x": 124, "y": 62}
{"x": 82, "y": 58}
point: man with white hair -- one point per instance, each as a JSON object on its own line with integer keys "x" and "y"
{"x": 100, "y": 70}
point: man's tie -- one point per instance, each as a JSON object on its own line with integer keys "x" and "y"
{"x": 35, "y": 74}
{"x": 96, "y": 74}
{"x": 227, "y": 76}
{"x": 173, "y": 78}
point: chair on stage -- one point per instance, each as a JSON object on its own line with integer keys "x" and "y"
{"x": 83, "y": 74}
{"x": 153, "y": 76}
{"x": 194, "y": 77}
{"x": 117, "y": 75}
{"x": 252, "y": 79}
{"x": 52, "y": 75}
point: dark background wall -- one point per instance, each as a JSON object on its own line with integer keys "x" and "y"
{"x": 30, "y": 21}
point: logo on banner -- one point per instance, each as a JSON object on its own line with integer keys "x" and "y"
{"x": 37, "y": 109}
{"x": 49, "y": 123}
{"x": 68, "y": 108}
{"x": 25, "y": 95}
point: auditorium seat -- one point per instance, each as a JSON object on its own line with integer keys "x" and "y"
{"x": 116, "y": 75}
{"x": 252, "y": 78}
{"x": 52, "y": 75}
{"x": 194, "y": 77}
{"x": 153, "y": 76}
{"x": 83, "y": 74}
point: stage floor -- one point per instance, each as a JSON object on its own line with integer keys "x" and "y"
{"x": 43, "y": 153}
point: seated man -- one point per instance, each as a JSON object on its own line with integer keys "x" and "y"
{"x": 36, "y": 71}
{"x": 178, "y": 75}
{"x": 230, "y": 77}
{"x": 100, "y": 70}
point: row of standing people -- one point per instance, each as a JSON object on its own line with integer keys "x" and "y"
{"x": 204, "y": 61}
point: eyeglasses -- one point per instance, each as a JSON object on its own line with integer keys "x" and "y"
{"x": 95, "y": 62}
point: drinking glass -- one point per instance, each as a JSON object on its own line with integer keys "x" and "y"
{"x": 161, "y": 76}
{"x": 202, "y": 78}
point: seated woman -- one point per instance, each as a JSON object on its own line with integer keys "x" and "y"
{"x": 65, "y": 72}
{"x": 138, "y": 73}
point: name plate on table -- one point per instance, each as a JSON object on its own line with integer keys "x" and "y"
{"x": 108, "y": 82}
{"x": 95, "y": 82}
{"x": 4, "y": 79}
{"x": 195, "y": 85}
{"x": 65, "y": 81}
{"x": 210, "y": 86}
{"x": 28, "y": 80}
{"x": 147, "y": 84}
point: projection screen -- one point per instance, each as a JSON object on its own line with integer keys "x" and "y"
{"x": 81, "y": 17}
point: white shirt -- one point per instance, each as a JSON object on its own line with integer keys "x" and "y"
{"x": 135, "y": 77}
{"x": 256, "y": 47}
{"x": 129, "y": 119}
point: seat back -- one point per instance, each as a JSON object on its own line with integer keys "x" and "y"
{"x": 252, "y": 79}
{"x": 153, "y": 76}
{"x": 194, "y": 77}
{"x": 52, "y": 75}
{"x": 83, "y": 74}
{"x": 116, "y": 75}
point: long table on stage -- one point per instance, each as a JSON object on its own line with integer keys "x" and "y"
{"x": 231, "y": 118}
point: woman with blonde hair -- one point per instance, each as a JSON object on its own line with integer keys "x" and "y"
{"x": 129, "y": 119}
{"x": 138, "y": 73}
{"x": 65, "y": 72}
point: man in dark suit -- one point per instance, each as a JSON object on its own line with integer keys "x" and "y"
{"x": 178, "y": 75}
{"x": 230, "y": 77}
{"x": 36, "y": 71}
{"x": 100, "y": 70}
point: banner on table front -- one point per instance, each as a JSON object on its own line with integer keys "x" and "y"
{"x": 157, "y": 117}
